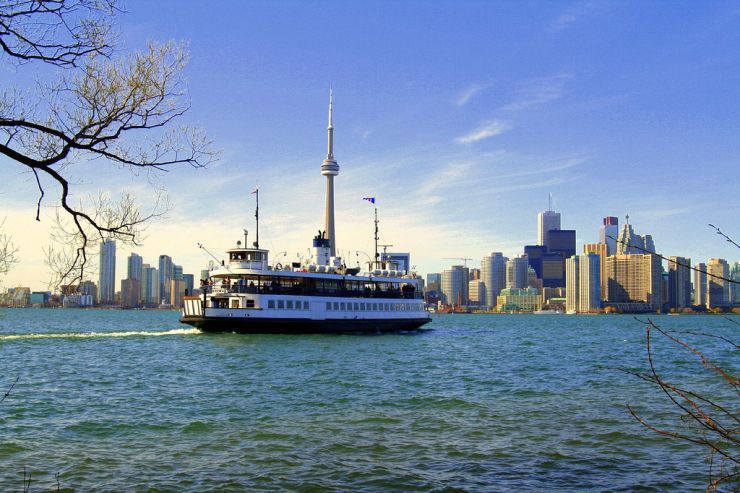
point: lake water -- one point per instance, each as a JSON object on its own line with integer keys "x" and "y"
{"x": 134, "y": 401}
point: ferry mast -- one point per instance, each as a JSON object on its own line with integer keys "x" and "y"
{"x": 330, "y": 169}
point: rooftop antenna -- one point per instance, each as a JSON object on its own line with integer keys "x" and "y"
{"x": 549, "y": 201}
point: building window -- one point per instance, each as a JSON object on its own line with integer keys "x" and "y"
{"x": 250, "y": 303}
{"x": 271, "y": 304}
{"x": 281, "y": 304}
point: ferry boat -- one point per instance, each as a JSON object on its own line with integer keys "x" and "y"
{"x": 320, "y": 294}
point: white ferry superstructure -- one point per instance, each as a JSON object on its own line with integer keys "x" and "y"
{"x": 320, "y": 294}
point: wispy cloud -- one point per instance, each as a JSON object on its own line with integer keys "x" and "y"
{"x": 469, "y": 93}
{"x": 539, "y": 91}
{"x": 575, "y": 13}
{"x": 485, "y": 131}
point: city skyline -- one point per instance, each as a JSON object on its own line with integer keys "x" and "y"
{"x": 420, "y": 124}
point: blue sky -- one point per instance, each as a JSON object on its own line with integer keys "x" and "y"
{"x": 459, "y": 117}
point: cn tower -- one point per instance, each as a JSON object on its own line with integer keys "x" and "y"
{"x": 330, "y": 169}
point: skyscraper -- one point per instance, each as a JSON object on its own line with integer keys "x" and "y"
{"x": 679, "y": 282}
{"x": 546, "y": 221}
{"x": 718, "y": 287}
{"x": 493, "y": 275}
{"x": 166, "y": 274}
{"x": 562, "y": 241}
{"x": 135, "y": 265}
{"x": 700, "y": 284}
{"x": 516, "y": 272}
{"x": 608, "y": 234}
{"x": 107, "y": 272}
{"x": 630, "y": 242}
{"x": 572, "y": 272}
{"x": 601, "y": 250}
{"x": 589, "y": 283}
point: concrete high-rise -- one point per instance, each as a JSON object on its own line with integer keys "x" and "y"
{"x": 608, "y": 234}
{"x": 679, "y": 282}
{"x": 700, "y": 284}
{"x": 735, "y": 287}
{"x": 634, "y": 281}
{"x": 718, "y": 286}
{"x": 107, "y": 272}
{"x": 589, "y": 283}
{"x": 330, "y": 169}
{"x": 455, "y": 285}
{"x": 516, "y": 272}
{"x": 572, "y": 273}
{"x": 493, "y": 275}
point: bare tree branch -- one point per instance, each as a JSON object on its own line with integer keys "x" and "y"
{"x": 111, "y": 110}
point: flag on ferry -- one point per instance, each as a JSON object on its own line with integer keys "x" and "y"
{"x": 369, "y": 199}
{"x": 255, "y": 190}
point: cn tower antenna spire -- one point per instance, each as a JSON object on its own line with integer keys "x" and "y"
{"x": 330, "y": 169}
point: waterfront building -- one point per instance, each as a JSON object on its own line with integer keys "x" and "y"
{"x": 634, "y": 282}
{"x": 518, "y": 300}
{"x": 177, "y": 292}
{"x": 700, "y": 284}
{"x": 177, "y": 272}
{"x": 589, "y": 283}
{"x": 107, "y": 272}
{"x": 516, "y": 272}
{"x": 476, "y": 292}
{"x": 553, "y": 298}
{"x": 735, "y": 287}
{"x": 88, "y": 288}
{"x": 455, "y": 285}
{"x": 135, "y": 266}
{"x": 189, "y": 283}
{"x": 204, "y": 275}
{"x": 473, "y": 274}
{"x": 432, "y": 290}
{"x": 679, "y": 282}
{"x": 602, "y": 250}
{"x": 493, "y": 275}
{"x": 150, "y": 287}
{"x": 166, "y": 274}
{"x": 718, "y": 287}
{"x": 402, "y": 261}
{"x": 130, "y": 293}
{"x": 571, "y": 283}
{"x": 546, "y": 221}
{"x": 608, "y": 235}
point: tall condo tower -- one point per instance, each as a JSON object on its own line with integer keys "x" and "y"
{"x": 107, "y": 272}
{"x": 330, "y": 169}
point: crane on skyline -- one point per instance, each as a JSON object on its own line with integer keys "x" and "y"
{"x": 464, "y": 259}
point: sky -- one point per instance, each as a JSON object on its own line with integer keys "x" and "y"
{"x": 459, "y": 117}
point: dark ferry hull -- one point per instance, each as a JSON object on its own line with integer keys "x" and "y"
{"x": 302, "y": 326}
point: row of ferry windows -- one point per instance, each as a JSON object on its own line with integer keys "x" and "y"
{"x": 346, "y": 306}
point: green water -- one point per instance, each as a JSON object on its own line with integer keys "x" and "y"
{"x": 134, "y": 401}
